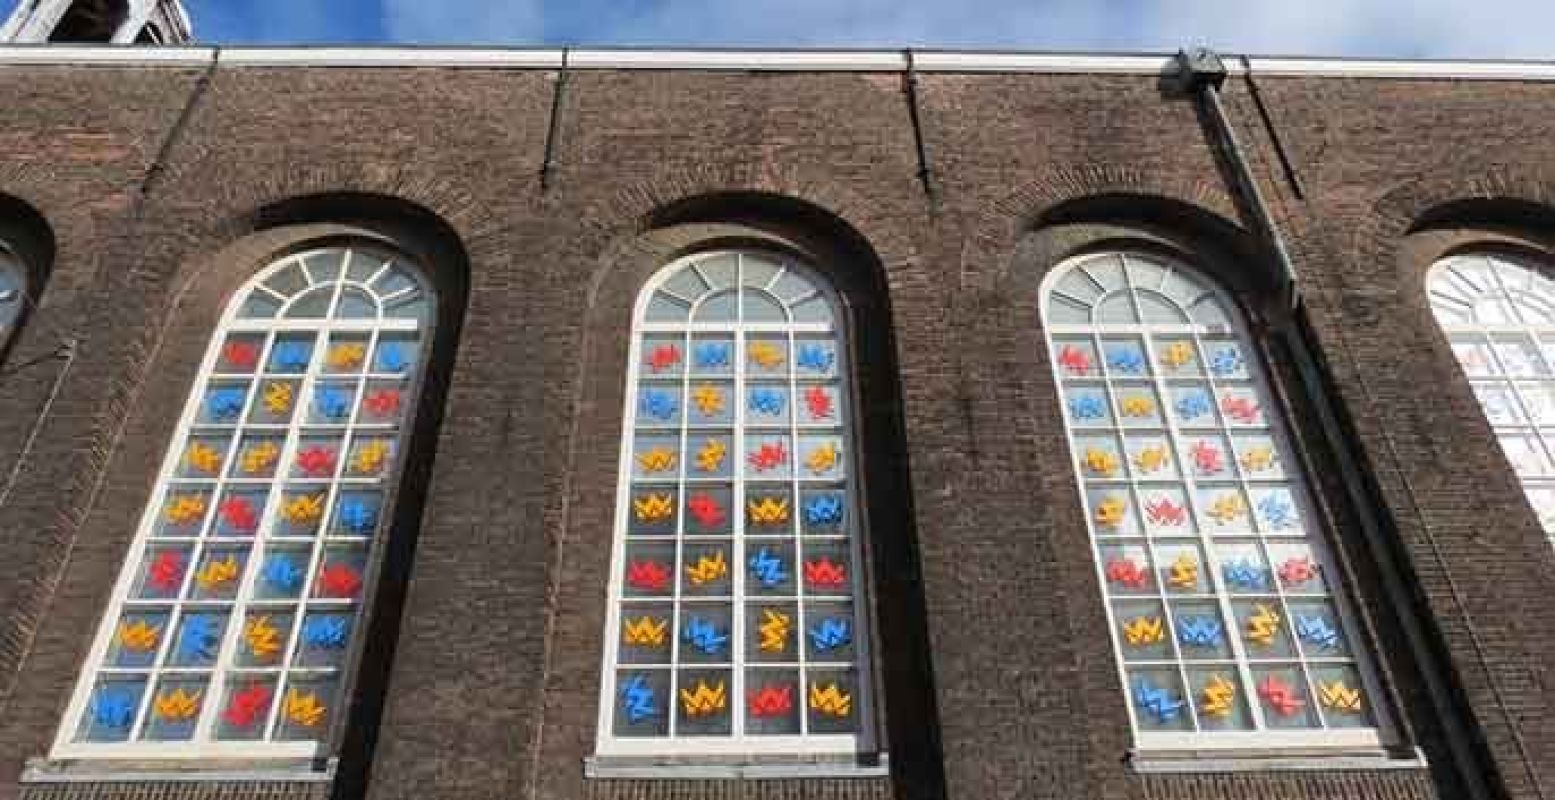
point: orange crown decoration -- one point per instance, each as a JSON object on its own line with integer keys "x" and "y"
{"x": 1263, "y": 625}
{"x": 1184, "y": 572}
{"x": 347, "y": 355}
{"x": 1219, "y": 698}
{"x": 1109, "y": 512}
{"x": 203, "y": 458}
{"x": 707, "y": 569}
{"x": 304, "y": 709}
{"x": 1258, "y": 459}
{"x": 184, "y": 509}
{"x": 1339, "y": 697}
{"x": 822, "y": 458}
{"x": 705, "y": 700}
{"x": 139, "y": 636}
{"x": 831, "y": 701}
{"x": 774, "y": 630}
{"x": 825, "y": 573}
{"x": 659, "y": 459}
{"x": 303, "y": 509}
{"x": 278, "y": 398}
{"x": 370, "y": 458}
{"x": 765, "y": 355}
{"x": 178, "y": 705}
{"x": 216, "y": 574}
{"x": 1101, "y": 462}
{"x": 767, "y": 511}
{"x": 1151, "y": 459}
{"x": 645, "y": 632}
{"x": 654, "y": 507}
{"x": 1144, "y": 630}
{"x": 1178, "y": 354}
{"x": 262, "y": 637}
{"x": 709, "y": 400}
{"x": 260, "y": 458}
{"x": 711, "y": 456}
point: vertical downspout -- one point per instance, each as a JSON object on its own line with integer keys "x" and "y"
{"x": 1202, "y": 73}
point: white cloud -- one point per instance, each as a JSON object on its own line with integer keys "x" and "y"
{"x": 1434, "y": 28}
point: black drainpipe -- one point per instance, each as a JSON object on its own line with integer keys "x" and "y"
{"x": 1202, "y": 73}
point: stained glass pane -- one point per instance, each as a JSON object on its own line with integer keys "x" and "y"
{"x": 245, "y": 586}
{"x": 1219, "y": 589}
{"x": 735, "y": 623}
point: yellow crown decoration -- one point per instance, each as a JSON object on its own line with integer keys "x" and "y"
{"x": 304, "y": 709}
{"x": 1151, "y": 459}
{"x": 347, "y": 355}
{"x": 831, "y": 701}
{"x": 1338, "y": 696}
{"x": 767, "y": 511}
{"x": 1228, "y": 508}
{"x": 1219, "y": 698}
{"x": 707, "y": 569}
{"x": 1138, "y": 406}
{"x": 139, "y": 636}
{"x": 262, "y": 637}
{"x": 278, "y": 398}
{"x": 1109, "y": 512}
{"x": 765, "y": 355}
{"x": 709, "y": 400}
{"x": 260, "y": 457}
{"x": 646, "y": 632}
{"x": 216, "y": 574}
{"x": 659, "y": 459}
{"x": 371, "y": 457}
{"x": 711, "y": 457}
{"x": 1101, "y": 461}
{"x": 304, "y": 509}
{"x": 704, "y": 700}
{"x": 178, "y": 705}
{"x": 1184, "y": 572}
{"x": 185, "y": 508}
{"x": 822, "y": 459}
{"x": 1144, "y": 630}
{"x": 203, "y": 458}
{"x": 654, "y": 507}
{"x": 774, "y": 630}
{"x": 1178, "y": 354}
{"x": 1263, "y": 625}
{"x": 1258, "y": 459}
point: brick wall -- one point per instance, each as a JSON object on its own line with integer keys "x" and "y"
{"x": 984, "y": 578}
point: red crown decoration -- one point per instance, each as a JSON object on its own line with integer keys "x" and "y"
{"x": 339, "y": 580}
{"x": 772, "y": 701}
{"x": 317, "y": 462}
{"x": 648, "y": 575}
{"x": 1297, "y": 570}
{"x": 239, "y": 514}
{"x": 819, "y": 403}
{"x": 1280, "y": 696}
{"x": 1207, "y": 458}
{"x": 1240, "y": 409}
{"x": 769, "y": 456}
{"x": 1126, "y": 572}
{"x": 167, "y": 571}
{"x": 243, "y": 355}
{"x": 383, "y": 402}
{"x": 663, "y": 357}
{"x": 825, "y": 573}
{"x": 1162, "y": 511}
{"x": 246, "y": 707}
{"x": 705, "y": 510}
{"x": 1074, "y": 359}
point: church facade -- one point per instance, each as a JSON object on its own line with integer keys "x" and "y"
{"x": 402, "y": 423}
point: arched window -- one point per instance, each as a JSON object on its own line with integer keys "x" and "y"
{"x": 90, "y": 21}
{"x": 1498, "y": 311}
{"x": 1223, "y": 600}
{"x": 13, "y": 293}
{"x": 736, "y": 626}
{"x": 234, "y": 621}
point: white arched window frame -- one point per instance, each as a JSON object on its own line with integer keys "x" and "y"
{"x": 737, "y": 624}
{"x": 233, "y": 627}
{"x": 1498, "y": 311}
{"x": 1227, "y": 617}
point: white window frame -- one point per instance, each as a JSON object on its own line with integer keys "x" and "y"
{"x": 1441, "y": 291}
{"x": 203, "y": 746}
{"x": 1263, "y": 739}
{"x": 722, "y": 749}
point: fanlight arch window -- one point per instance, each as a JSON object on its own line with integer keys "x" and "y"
{"x": 1498, "y": 311}
{"x": 1226, "y": 614}
{"x": 736, "y": 623}
{"x": 237, "y": 614}
{"x": 13, "y": 293}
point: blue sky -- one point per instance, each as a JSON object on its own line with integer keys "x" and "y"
{"x": 1404, "y": 28}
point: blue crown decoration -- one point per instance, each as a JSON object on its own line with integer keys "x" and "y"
{"x": 1202, "y": 630}
{"x": 1245, "y": 575}
{"x": 291, "y": 356}
{"x": 392, "y": 358}
{"x": 1226, "y": 361}
{"x": 1277, "y": 511}
{"x": 702, "y": 635}
{"x": 1194, "y": 404}
{"x": 328, "y": 633}
{"x": 830, "y": 634}
{"x": 358, "y": 516}
{"x": 333, "y": 403}
{"x": 768, "y": 568}
{"x": 224, "y": 404}
{"x": 199, "y": 638}
{"x": 114, "y": 708}
{"x": 712, "y": 355}
{"x": 637, "y": 700}
{"x": 1087, "y": 406}
{"x": 823, "y": 509}
{"x": 1127, "y": 360}
{"x": 815, "y": 358}
{"x": 767, "y": 401}
{"x": 281, "y": 573}
{"x": 1317, "y": 630}
{"x": 659, "y": 404}
{"x": 1157, "y": 701}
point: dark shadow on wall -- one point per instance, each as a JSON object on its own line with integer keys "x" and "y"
{"x": 904, "y": 666}
{"x": 434, "y": 245}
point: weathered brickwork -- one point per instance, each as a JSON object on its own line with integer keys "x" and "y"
{"x": 163, "y": 188}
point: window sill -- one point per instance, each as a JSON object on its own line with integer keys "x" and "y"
{"x": 630, "y": 767}
{"x": 1273, "y": 760}
{"x": 44, "y": 771}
